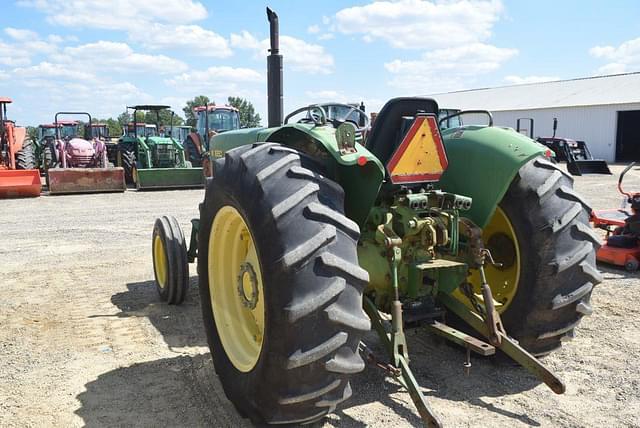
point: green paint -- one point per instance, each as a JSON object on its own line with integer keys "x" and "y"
{"x": 167, "y": 178}
{"x": 483, "y": 161}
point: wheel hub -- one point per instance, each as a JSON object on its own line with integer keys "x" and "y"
{"x": 248, "y": 286}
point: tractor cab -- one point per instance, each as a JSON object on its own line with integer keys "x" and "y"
{"x": 141, "y": 130}
{"x": 219, "y": 119}
{"x": 46, "y": 132}
{"x": 99, "y": 131}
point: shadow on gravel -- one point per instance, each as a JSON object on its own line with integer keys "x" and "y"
{"x": 615, "y": 272}
{"x": 179, "y": 325}
{"x": 180, "y": 391}
{"x": 436, "y": 364}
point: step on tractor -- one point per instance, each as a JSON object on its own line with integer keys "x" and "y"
{"x": 210, "y": 120}
{"x": 18, "y": 174}
{"x": 575, "y": 153}
{"x": 307, "y": 239}
{"x": 77, "y": 163}
{"x": 622, "y": 243}
{"x": 153, "y": 161}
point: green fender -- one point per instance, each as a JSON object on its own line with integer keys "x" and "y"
{"x": 360, "y": 180}
{"x": 483, "y": 161}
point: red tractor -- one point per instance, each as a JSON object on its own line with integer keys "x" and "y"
{"x": 18, "y": 176}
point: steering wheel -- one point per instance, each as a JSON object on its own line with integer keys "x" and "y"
{"x": 318, "y": 120}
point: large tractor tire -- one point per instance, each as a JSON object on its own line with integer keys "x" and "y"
{"x": 170, "y": 265}
{"x": 280, "y": 285}
{"x": 191, "y": 152}
{"x": 127, "y": 160}
{"x": 26, "y": 156}
{"x": 541, "y": 234}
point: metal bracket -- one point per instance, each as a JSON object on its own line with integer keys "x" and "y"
{"x": 508, "y": 345}
{"x": 405, "y": 376}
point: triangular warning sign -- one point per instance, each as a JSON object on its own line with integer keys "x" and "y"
{"x": 420, "y": 157}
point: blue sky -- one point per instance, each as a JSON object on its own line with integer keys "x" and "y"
{"x": 100, "y": 56}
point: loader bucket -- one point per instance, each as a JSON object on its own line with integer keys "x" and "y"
{"x": 593, "y": 166}
{"x": 19, "y": 183}
{"x": 85, "y": 180}
{"x": 169, "y": 178}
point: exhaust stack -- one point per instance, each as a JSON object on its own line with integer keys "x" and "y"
{"x": 274, "y": 73}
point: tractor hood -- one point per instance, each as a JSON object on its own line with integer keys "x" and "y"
{"x": 159, "y": 141}
{"x": 80, "y": 147}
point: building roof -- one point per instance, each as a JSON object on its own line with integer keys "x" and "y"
{"x": 588, "y": 91}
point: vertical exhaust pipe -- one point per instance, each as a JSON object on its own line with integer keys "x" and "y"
{"x": 274, "y": 73}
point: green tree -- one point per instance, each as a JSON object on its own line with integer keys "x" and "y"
{"x": 248, "y": 116}
{"x": 32, "y": 133}
{"x": 165, "y": 118}
{"x": 200, "y": 100}
{"x": 123, "y": 119}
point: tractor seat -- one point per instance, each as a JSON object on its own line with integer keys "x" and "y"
{"x": 393, "y": 121}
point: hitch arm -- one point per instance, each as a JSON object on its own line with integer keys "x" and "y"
{"x": 508, "y": 345}
{"x": 405, "y": 376}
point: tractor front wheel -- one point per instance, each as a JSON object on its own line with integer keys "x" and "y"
{"x": 280, "y": 285}
{"x": 541, "y": 235}
{"x": 127, "y": 160}
{"x": 170, "y": 264}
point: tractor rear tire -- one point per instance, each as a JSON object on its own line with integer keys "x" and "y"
{"x": 192, "y": 152}
{"x": 313, "y": 285}
{"x": 26, "y": 157}
{"x": 558, "y": 252}
{"x": 170, "y": 265}
{"x": 127, "y": 159}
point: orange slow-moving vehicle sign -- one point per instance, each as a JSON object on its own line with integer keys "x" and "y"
{"x": 420, "y": 157}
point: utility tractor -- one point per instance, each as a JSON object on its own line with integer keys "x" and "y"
{"x": 77, "y": 162}
{"x": 18, "y": 176}
{"x": 308, "y": 239}
{"x": 211, "y": 120}
{"x": 153, "y": 161}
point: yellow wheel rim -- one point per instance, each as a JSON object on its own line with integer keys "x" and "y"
{"x": 500, "y": 238}
{"x": 160, "y": 261}
{"x": 236, "y": 288}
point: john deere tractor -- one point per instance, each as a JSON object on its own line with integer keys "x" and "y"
{"x": 307, "y": 239}
{"x": 211, "y": 120}
{"x": 153, "y": 161}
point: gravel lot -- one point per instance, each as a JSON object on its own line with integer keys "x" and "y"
{"x": 84, "y": 340}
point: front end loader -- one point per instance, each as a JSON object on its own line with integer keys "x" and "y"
{"x": 18, "y": 174}
{"x": 77, "y": 162}
{"x": 151, "y": 161}
{"x": 307, "y": 239}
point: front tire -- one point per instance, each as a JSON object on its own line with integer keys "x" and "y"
{"x": 170, "y": 265}
{"x": 26, "y": 157}
{"x": 127, "y": 160}
{"x": 307, "y": 267}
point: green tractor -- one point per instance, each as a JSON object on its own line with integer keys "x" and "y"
{"x": 153, "y": 161}
{"x": 307, "y": 239}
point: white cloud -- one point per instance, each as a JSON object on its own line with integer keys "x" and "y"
{"x": 417, "y": 24}
{"x": 118, "y": 57}
{"x": 214, "y": 78}
{"x": 313, "y": 29}
{"x": 521, "y": 80}
{"x": 302, "y": 56}
{"x": 20, "y": 34}
{"x": 117, "y": 14}
{"x": 623, "y": 58}
{"x": 326, "y": 36}
{"x": 447, "y": 69}
{"x": 47, "y": 70}
{"x": 12, "y": 57}
{"x": 191, "y": 38}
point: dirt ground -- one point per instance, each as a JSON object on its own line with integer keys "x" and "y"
{"x": 84, "y": 340}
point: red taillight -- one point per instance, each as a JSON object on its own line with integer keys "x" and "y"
{"x": 548, "y": 154}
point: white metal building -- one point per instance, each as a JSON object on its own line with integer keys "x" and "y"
{"x": 604, "y": 111}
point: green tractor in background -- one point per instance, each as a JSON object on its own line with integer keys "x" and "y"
{"x": 307, "y": 239}
{"x": 153, "y": 160}
{"x": 211, "y": 120}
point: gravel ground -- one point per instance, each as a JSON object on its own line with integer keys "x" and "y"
{"x": 84, "y": 340}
